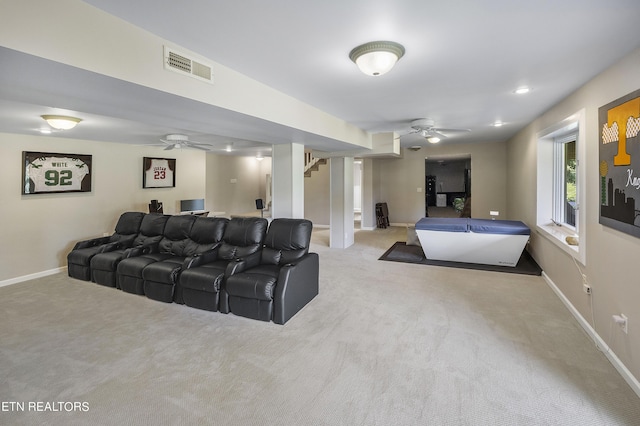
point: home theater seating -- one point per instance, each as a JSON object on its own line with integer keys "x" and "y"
{"x": 245, "y": 266}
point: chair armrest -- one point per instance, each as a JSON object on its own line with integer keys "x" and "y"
{"x": 140, "y": 250}
{"x": 111, "y": 247}
{"x": 91, "y": 243}
{"x": 199, "y": 259}
{"x": 242, "y": 264}
{"x": 297, "y": 285}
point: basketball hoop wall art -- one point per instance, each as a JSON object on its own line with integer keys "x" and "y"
{"x": 158, "y": 172}
{"x": 620, "y": 164}
{"x": 46, "y": 173}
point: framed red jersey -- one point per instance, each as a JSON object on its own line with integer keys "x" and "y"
{"x": 158, "y": 172}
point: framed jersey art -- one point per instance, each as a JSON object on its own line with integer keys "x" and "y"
{"x": 45, "y": 173}
{"x": 158, "y": 172}
{"x": 619, "y": 123}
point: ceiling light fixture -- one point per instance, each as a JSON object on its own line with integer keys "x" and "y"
{"x": 259, "y": 157}
{"x": 433, "y": 139}
{"x": 61, "y": 122}
{"x": 376, "y": 57}
{"x": 498, "y": 123}
{"x": 522, "y": 90}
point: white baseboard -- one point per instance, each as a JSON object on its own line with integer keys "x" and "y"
{"x": 600, "y": 343}
{"x": 33, "y": 276}
{"x": 401, "y": 224}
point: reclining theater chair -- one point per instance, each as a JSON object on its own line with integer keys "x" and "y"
{"x": 103, "y": 265}
{"x": 160, "y": 278}
{"x": 79, "y": 259}
{"x": 278, "y": 283}
{"x": 202, "y": 282}
{"x": 174, "y": 239}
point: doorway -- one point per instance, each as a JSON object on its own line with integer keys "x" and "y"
{"x": 357, "y": 193}
{"x": 448, "y": 186}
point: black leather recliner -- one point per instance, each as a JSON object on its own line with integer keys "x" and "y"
{"x": 174, "y": 239}
{"x": 202, "y": 281}
{"x": 276, "y": 283}
{"x": 104, "y": 265}
{"x": 160, "y": 278}
{"x": 79, "y": 259}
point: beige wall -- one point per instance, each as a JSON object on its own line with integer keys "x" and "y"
{"x": 317, "y": 197}
{"x": 398, "y": 180}
{"x": 39, "y": 230}
{"x": 612, "y": 267}
{"x": 234, "y": 183}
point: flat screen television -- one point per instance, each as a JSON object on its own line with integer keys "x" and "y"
{"x": 192, "y": 205}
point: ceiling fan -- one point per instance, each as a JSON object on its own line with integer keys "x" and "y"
{"x": 425, "y": 127}
{"x": 176, "y": 140}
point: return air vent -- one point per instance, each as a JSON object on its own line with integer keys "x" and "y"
{"x": 181, "y": 63}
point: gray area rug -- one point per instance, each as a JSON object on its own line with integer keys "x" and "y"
{"x": 385, "y": 343}
{"x": 403, "y": 252}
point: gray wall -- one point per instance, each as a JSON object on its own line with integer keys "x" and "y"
{"x": 612, "y": 268}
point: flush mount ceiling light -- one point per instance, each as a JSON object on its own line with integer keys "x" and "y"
{"x": 433, "y": 139}
{"x": 61, "y": 122}
{"x": 522, "y": 90}
{"x": 376, "y": 57}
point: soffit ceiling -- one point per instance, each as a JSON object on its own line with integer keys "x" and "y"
{"x": 463, "y": 61}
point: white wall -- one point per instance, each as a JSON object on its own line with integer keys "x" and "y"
{"x": 612, "y": 267}
{"x": 39, "y": 230}
{"x": 85, "y": 37}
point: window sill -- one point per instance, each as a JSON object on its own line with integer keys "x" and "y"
{"x": 558, "y": 235}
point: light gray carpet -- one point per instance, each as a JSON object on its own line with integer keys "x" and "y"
{"x": 384, "y": 343}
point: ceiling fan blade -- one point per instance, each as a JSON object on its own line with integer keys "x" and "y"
{"x": 170, "y": 147}
{"x": 440, "y": 129}
{"x": 198, "y": 147}
{"x": 434, "y": 133}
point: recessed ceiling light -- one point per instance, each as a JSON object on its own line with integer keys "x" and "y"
{"x": 522, "y": 90}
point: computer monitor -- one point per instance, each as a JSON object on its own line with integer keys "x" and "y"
{"x": 192, "y": 205}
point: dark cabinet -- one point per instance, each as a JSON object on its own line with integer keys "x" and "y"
{"x": 430, "y": 194}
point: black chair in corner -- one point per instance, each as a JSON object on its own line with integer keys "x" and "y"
{"x": 278, "y": 283}
{"x": 79, "y": 259}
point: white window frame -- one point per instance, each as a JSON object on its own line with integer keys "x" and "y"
{"x": 550, "y": 185}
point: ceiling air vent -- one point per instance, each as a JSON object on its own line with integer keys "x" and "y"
{"x": 181, "y": 63}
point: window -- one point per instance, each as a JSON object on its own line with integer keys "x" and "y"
{"x": 560, "y": 189}
{"x": 564, "y": 179}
